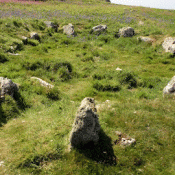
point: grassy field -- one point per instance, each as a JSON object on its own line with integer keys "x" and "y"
{"x": 35, "y": 127}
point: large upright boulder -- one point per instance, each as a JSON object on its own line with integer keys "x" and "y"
{"x": 169, "y": 45}
{"x": 7, "y": 87}
{"x": 170, "y": 87}
{"x": 69, "y": 29}
{"x": 86, "y": 126}
{"x": 126, "y": 32}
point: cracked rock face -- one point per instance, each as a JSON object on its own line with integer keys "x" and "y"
{"x": 86, "y": 126}
{"x": 126, "y": 32}
{"x": 7, "y": 87}
{"x": 169, "y": 45}
{"x": 170, "y": 87}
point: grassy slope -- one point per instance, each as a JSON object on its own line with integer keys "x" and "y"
{"x": 35, "y": 128}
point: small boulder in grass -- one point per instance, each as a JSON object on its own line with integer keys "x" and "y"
{"x": 145, "y": 39}
{"x": 99, "y": 28}
{"x": 86, "y": 126}
{"x": 169, "y": 45}
{"x": 126, "y": 32}
{"x": 7, "y": 87}
{"x": 52, "y": 25}
{"x": 43, "y": 83}
{"x": 34, "y": 35}
{"x": 69, "y": 29}
{"x": 170, "y": 87}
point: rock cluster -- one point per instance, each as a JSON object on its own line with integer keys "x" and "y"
{"x": 86, "y": 126}
{"x": 7, "y": 87}
{"x": 169, "y": 45}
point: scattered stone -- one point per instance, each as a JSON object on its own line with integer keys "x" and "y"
{"x": 169, "y": 45}
{"x": 34, "y": 35}
{"x": 145, "y": 39}
{"x": 69, "y": 29}
{"x": 141, "y": 23}
{"x": 126, "y": 32}
{"x": 7, "y": 87}
{"x": 127, "y": 142}
{"x": 86, "y": 126}
{"x": 118, "y": 69}
{"x": 170, "y": 87}
{"x": 99, "y": 28}
{"x": 43, "y": 83}
{"x": 24, "y": 39}
{"x": 52, "y": 25}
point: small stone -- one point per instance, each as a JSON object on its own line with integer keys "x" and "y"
{"x": 99, "y": 28}
{"x": 126, "y": 32}
{"x": 43, "y": 83}
{"x": 118, "y": 69}
{"x": 127, "y": 142}
{"x": 145, "y": 39}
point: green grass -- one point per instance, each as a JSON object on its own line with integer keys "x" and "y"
{"x": 36, "y": 124}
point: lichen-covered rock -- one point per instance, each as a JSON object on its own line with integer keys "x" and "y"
{"x": 86, "y": 126}
{"x": 7, "y": 87}
{"x": 43, "y": 83}
{"x": 169, "y": 45}
{"x": 99, "y": 28}
{"x": 126, "y": 32}
{"x": 69, "y": 29}
{"x": 170, "y": 87}
{"x": 34, "y": 35}
{"x": 52, "y": 25}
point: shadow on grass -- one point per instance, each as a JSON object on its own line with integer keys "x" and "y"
{"x": 101, "y": 152}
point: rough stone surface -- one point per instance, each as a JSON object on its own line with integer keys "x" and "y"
{"x": 50, "y": 24}
{"x": 86, "y": 126}
{"x": 99, "y": 28}
{"x": 170, "y": 87}
{"x": 126, "y": 32}
{"x": 43, "y": 83}
{"x": 7, "y": 87}
{"x": 69, "y": 29}
{"x": 169, "y": 45}
{"x": 34, "y": 35}
{"x": 145, "y": 39}
{"x": 127, "y": 141}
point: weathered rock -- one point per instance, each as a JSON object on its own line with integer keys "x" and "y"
{"x": 7, "y": 87}
{"x": 86, "y": 126}
{"x": 145, "y": 39}
{"x": 169, "y": 45}
{"x": 43, "y": 83}
{"x": 52, "y": 25}
{"x": 127, "y": 141}
{"x": 34, "y": 35}
{"x": 170, "y": 87}
{"x": 126, "y": 32}
{"x": 69, "y": 29}
{"x": 99, "y": 28}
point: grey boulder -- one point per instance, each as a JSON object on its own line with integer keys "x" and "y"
{"x": 126, "y": 32}
{"x": 69, "y": 29}
{"x": 86, "y": 126}
{"x": 99, "y": 28}
{"x": 170, "y": 87}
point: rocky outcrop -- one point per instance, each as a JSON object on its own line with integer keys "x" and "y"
{"x": 43, "y": 83}
{"x": 52, "y": 25}
{"x": 86, "y": 126}
{"x": 170, "y": 87}
{"x": 126, "y": 32}
{"x": 69, "y": 29}
{"x": 7, "y": 87}
{"x": 169, "y": 45}
{"x": 99, "y": 28}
